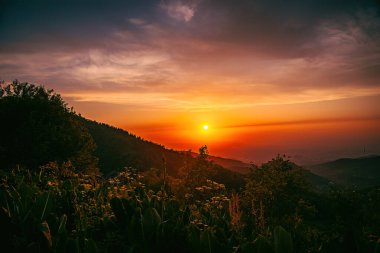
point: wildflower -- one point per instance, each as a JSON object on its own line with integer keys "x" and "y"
{"x": 87, "y": 186}
{"x": 199, "y": 189}
{"x": 52, "y": 184}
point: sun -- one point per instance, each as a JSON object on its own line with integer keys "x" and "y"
{"x": 205, "y": 127}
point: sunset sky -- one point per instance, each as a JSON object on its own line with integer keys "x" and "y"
{"x": 300, "y": 78}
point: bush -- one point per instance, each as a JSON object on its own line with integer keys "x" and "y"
{"x": 37, "y": 127}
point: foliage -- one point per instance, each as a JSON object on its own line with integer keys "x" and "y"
{"x": 117, "y": 148}
{"x": 275, "y": 193}
{"x": 55, "y": 209}
{"x": 37, "y": 127}
{"x": 53, "y": 204}
{"x": 362, "y": 172}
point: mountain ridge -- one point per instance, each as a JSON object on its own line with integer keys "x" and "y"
{"x": 118, "y": 148}
{"x": 361, "y": 172}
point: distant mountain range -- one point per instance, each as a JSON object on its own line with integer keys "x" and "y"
{"x": 363, "y": 172}
{"x": 117, "y": 148}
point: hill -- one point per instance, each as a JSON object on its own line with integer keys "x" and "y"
{"x": 363, "y": 172}
{"x": 117, "y": 148}
{"x": 317, "y": 182}
{"x": 231, "y": 164}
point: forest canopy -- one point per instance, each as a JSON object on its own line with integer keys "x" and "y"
{"x": 38, "y": 127}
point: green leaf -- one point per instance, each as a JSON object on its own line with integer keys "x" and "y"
{"x": 135, "y": 229}
{"x": 91, "y": 246}
{"x": 42, "y": 205}
{"x": 377, "y": 248}
{"x": 206, "y": 241}
{"x": 209, "y": 242}
{"x": 151, "y": 218}
{"x": 194, "y": 238}
{"x": 186, "y": 215}
{"x": 282, "y": 240}
{"x": 260, "y": 245}
{"x": 62, "y": 224}
{"x": 44, "y": 228}
{"x": 119, "y": 211}
{"x": 73, "y": 246}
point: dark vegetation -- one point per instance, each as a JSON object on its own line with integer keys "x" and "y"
{"x": 38, "y": 127}
{"x": 361, "y": 172}
{"x": 73, "y": 185}
{"x": 117, "y": 148}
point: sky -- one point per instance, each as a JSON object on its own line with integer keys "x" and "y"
{"x": 300, "y": 77}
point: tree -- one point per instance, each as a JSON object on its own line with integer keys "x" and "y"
{"x": 200, "y": 170}
{"x": 275, "y": 193}
{"x": 37, "y": 127}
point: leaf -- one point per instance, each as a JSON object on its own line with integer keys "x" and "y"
{"x": 209, "y": 242}
{"x": 42, "y": 205}
{"x": 118, "y": 210}
{"x": 377, "y": 248}
{"x": 194, "y": 238}
{"x": 151, "y": 218}
{"x": 260, "y": 245}
{"x": 282, "y": 240}
{"x": 206, "y": 241}
{"x": 44, "y": 228}
{"x": 73, "y": 246}
{"x": 135, "y": 229}
{"x": 62, "y": 224}
{"x": 186, "y": 215}
{"x": 91, "y": 246}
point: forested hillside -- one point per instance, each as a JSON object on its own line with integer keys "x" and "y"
{"x": 72, "y": 185}
{"x": 361, "y": 172}
{"x": 117, "y": 148}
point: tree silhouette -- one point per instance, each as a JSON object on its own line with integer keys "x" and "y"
{"x": 275, "y": 193}
{"x": 37, "y": 127}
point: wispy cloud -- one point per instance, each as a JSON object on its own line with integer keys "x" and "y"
{"x": 179, "y": 10}
{"x": 217, "y": 54}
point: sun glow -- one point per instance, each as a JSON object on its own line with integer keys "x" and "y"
{"x": 205, "y": 127}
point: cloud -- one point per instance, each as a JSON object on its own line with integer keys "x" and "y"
{"x": 178, "y": 10}
{"x": 221, "y": 54}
